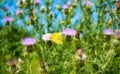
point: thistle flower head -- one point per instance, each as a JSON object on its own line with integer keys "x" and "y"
{"x": 37, "y": 1}
{"x": 65, "y": 6}
{"x": 8, "y": 19}
{"x": 89, "y": 3}
{"x": 69, "y": 32}
{"x": 28, "y": 41}
{"x": 81, "y": 53}
{"x": 19, "y": 11}
{"x": 108, "y": 32}
{"x": 83, "y": 57}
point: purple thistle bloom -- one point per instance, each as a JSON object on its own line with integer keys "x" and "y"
{"x": 108, "y": 32}
{"x": 69, "y": 32}
{"x": 28, "y": 41}
{"x": 89, "y": 3}
{"x": 65, "y": 6}
{"x": 8, "y": 19}
{"x": 37, "y": 1}
{"x": 18, "y": 11}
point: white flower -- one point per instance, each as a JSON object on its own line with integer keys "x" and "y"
{"x": 83, "y": 57}
{"x": 46, "y": 37}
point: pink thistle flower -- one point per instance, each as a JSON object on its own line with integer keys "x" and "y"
{"x": 69, "y": 32}
{"x": 65, "y": 6}
{"x": 19, "y": 11}
{"x": 37, "y": 1}
{"x": 89, "y": 3}
{"x": 28, "y": 41}
{"x": 108, "y": 32}
{"x": 8, "y": 19}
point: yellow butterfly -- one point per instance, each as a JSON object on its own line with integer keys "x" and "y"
{"x": 57, "y": 38}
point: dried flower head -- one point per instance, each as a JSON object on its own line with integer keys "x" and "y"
{"x": 46, "y": 37}
{"x": 118, "y": 5}
{"x": 28, "y": 41}
{"x": 69, "y": 32}
{"x": 79, "y": 52}
{"x": 117, "y": 34}
{"x": 11, "y": 62}
{"x": 108, "y": 32}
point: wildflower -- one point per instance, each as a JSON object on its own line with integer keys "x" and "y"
{"x": 65, "y": 6}
{"x": 117, "y": 5}
{"x": 46, "y": 37}
{"x": 44, "y": 66}
{"x": 19, "y": 11}
{"x": 108, "y": 32}
{"x": 19, "y": 60}
{"x": 69, "y": 32}
{"x": 81, "y": 53}
{"x": 11, "y": 62}
{"x": 117, "y": 34}
{"x": 28, "y": 41}
{"x": 37, "y": 2}
{"x": 77, "y": 34}
{"x": 89, "y": 3}
{"x": 8, "y": 19}
{"x": 57, "y": 38}
{"x": 83, "y": 57}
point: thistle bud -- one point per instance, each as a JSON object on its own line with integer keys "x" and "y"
{"x": 74, "y": 5}
{"x": 50, "y": 15}
{"x": 115, "y": 42}
{"x": 42, "y": 9}
{"x": 58, "y": 7}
